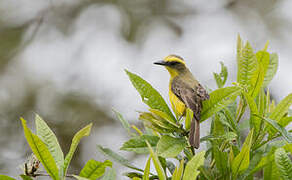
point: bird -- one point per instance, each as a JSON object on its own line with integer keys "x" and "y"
{"x": 185, "y": 91}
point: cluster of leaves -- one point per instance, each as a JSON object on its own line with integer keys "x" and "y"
{"x": 46, "y": 149}
{"x": 243, "y": 108}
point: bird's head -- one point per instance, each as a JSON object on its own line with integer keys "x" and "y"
{"x": 174, "y": 64}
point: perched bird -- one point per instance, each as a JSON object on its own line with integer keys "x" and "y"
{"x": 185, "y": 91}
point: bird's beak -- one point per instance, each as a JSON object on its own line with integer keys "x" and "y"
{"x": 163, "y": 63}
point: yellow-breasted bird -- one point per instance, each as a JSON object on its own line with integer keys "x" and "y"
{"x": 185, "y": 91}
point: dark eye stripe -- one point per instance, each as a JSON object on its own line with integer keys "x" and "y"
{"x": 172, "y": 63}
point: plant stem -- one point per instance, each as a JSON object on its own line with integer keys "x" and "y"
{"x": 242, "y": 110}
{"x": 266, "y": 141}
{"x": 193, "y": 151}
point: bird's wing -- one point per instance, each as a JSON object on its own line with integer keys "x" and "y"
{"x": 192, "y": 97}
{"x": 202, "y": 93}
{"x": 188, "y": 96}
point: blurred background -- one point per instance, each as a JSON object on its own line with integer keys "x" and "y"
{"x": 65, "y": 60}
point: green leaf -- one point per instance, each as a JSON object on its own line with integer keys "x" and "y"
{"x": 174, "y": 175}
{"x": 189, "y": 117}
{"x": 218, "y": 80}
{"x": 269, "y": 165}
{"x": 255, "y": 160}
{"x": 110, "y": 175}
{"x": 268, "y": 102}
{"x": 262, "y": 66}
{"x": 261, "y": 102}
{"x": 218, "y": 124}
{"x": 263, "y": 57}
{"x": 247, "y": 68}
{"x": 288, "y": 147}
{"x": 286, "y": 135}
{"x": 223, "y": 73}
{"x": 230, "y": 117}
{"x": 229, "y": 137}
{"x": 271, "y": 171}
{"x": 239, "y": 48}
{"x": 266, "y": 46}
{"x": 284, "y": 164}
{"x": 156, "y": 123}
{"x": 178, "y": 172}
{"x": 24, "y": 177}
{"x": 223, "y": 118}
{"x": 156, "y": 128}
{"x": 285, "y": 121}
{"x": 257, "y": 80}
{"x": 170, "y": 147}
{"x": 147, "y": 170}
{"x": 94, "y": 169}
{"x": 4, "y": 177}
{"x": 222, "y": 76}
{"x": 133, "y": 175}
{"x": 282, "y": 108}
{"x": 49, "y": 138}
{"x": 41, "y": 151}
{"x": 272, "y": 69}
{"x": 157, "y": 164}
{"x": 154, "y": 120}
{"x": 280, "y": 111}
{"x": 162, "y": 161}
{"x": 116, "y": 157}
{"x": 221, "y": 160}
{"x": 125, "y": 123}
{"x": 149, "y": 95}
{"x": 138, "y": 144}
{"x": 206, "y": 173}
{"x": 80, "y": 178}
{"x": 191, "y": 171}
{"x": 241, "y": 161}
{"x": 165, "y": 117}
{"x": 262, "y": 163}
{"x": 218, "y": 100}
{"x": 75, "y": 141}
{"x": 255, "y": 121}
{"x": 136, "y": 178}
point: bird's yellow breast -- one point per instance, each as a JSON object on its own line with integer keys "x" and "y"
{"x": 176, "y": 104}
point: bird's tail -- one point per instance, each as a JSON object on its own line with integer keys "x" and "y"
{"x": 194, "y": 137}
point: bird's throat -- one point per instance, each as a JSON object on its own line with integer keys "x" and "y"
{"x": 173, "y": 72}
